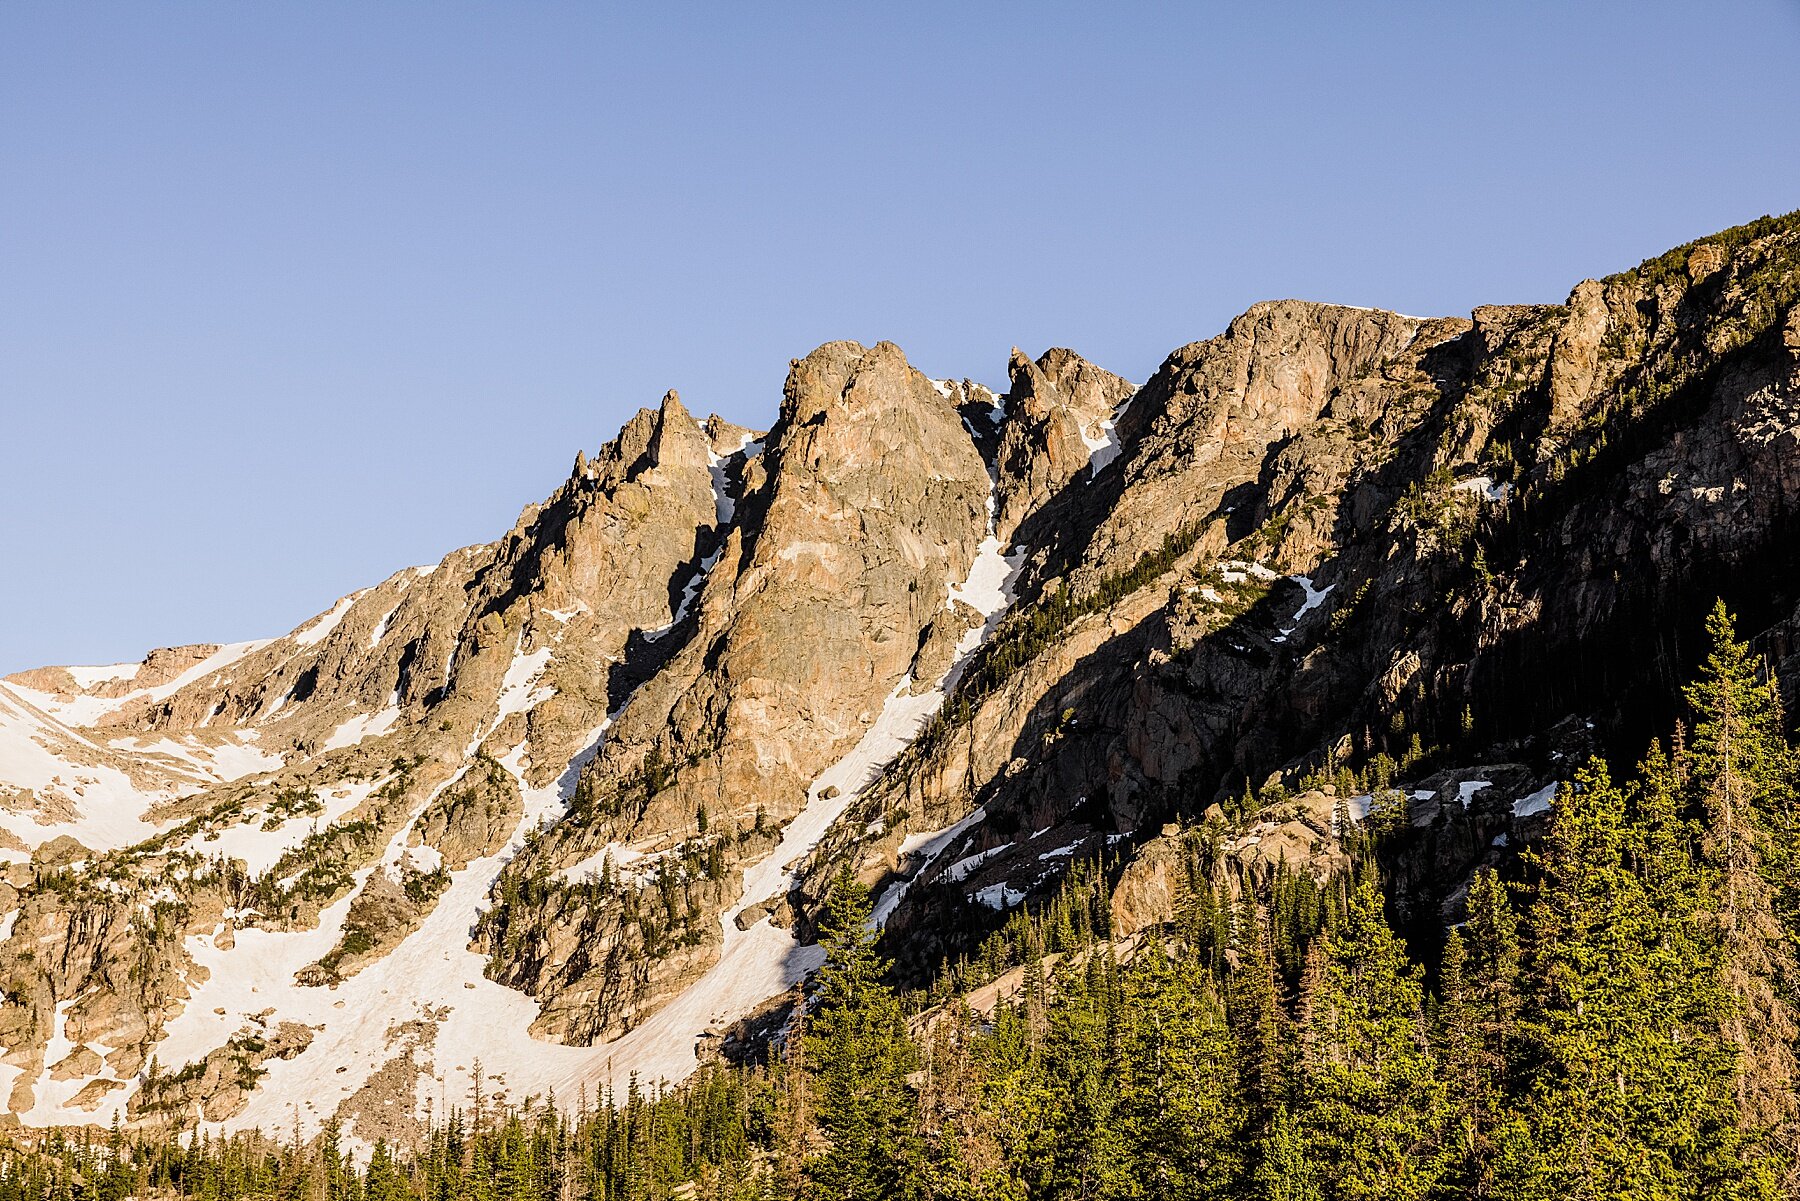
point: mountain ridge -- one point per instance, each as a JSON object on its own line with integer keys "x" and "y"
{"x": 555, "y": 784}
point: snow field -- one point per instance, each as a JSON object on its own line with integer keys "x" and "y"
{"x": 109, "y": 804}
{"x": 1103, "y": 445}
{"x": 84, "y": 711}
{"x": 363, "y": 726}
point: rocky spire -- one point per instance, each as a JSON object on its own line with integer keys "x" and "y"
{"x": 1056, "y": 408}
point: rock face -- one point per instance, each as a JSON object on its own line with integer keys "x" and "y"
{"x": 1059, "y": 424}
{"x": 567, "y": 802}
{"x": 1332, "y": 531}
{"x": 869, "y": 504}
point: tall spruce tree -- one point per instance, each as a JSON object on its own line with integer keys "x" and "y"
{"x": 1375, "y": 1111}
{"x": 859, "y": 1055}
{"x": 1742, "y": 771}
{"x": 1477, "y": 1027}
{"x": 1174, "y": 1129}
{"x": 1257, "y": 1021}
{"x": 1629, "y": 1088}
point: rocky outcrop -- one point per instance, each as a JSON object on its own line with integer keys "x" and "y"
{"x": 869, "y": 501}
{"x": 1151, "y": 886}
{"x": 1575, "y": 355}
{"x": 1462, "y": 504}
{"x": 471, "y": 818}
{"x": 1059, "y": 425}
{"x": 219, "y": 1086}
{"x": 563, "y": 785}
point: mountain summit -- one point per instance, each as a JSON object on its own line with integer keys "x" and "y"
{"x": 564, "y": 809}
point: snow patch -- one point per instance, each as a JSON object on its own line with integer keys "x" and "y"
{"x": 961, "y": 870}
{"x": 1314, "y": 598}
{"x": 926, "y": 847}
{"x": 363, "y": 725}
{"x": 623, "y": 858}
{"x": 689, "y": 591}
{"x": 280, "y": 703}
{"x": 931, "y": 843}
{"x": 1484, "y": 487}
{"x": 725, "y": 508}
{"x": 50, "y": 1096}
{"x": 518, "y": 693}
{"x": 87, "y": 677}
{"x": 988, "y": 590}
{"x": 1103, "y": 444}
{"x": 1537, "y": 802}
{"x": 382, "y": 626}
{"x": 999, "y": 896}
{"x": 1237, "y": 571}
{"x": 316, "y": 630}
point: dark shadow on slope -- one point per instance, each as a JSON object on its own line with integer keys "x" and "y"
{"x": 1063, "y": 526}
{"x": 520, "y": 554}
{"x": 1067, "y": 777}
{"x": 647, "y": 652}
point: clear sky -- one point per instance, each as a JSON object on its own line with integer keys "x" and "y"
{"x": 294, "y": 295}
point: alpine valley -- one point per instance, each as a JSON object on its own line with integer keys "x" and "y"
{"x": 1187, "y": 788}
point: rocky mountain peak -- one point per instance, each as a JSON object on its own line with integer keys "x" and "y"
{"x": 678, "y": 443}
{"x": 574, "y": 797}
{"x": 1060, "y": 413}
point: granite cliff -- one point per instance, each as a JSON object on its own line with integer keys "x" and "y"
{"x": 562, "y": 807}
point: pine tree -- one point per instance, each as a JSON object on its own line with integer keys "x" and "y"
{"x": 1464, "y": 1067}
{"x": 383, "y": 1181}
{"x": 791, "y": 1121}
{"x": 1374, "y": 1107}
{"x": 1477, "y": 1025}
{"x": 860, "y": 1056}
{"x": 1743, "y": 773}
{"x": 1173, "y": 1130}
{"x": 1256, "y": 1019}
{"x": 1620, "y": 1015}
{"x": 336, "y": 1186}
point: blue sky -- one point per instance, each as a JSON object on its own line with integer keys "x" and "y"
{"x": 293, "y": 295}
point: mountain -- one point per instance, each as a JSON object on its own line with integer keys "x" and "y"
{"x": 566, "y": 808}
